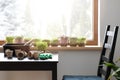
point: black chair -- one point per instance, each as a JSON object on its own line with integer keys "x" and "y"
{"x": 107, "y": 55}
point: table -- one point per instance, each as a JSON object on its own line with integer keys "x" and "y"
{"x": 29, "y": 65}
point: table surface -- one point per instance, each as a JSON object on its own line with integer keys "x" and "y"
{"x": 14, "y": 59}
{"x": 29, "y": 64}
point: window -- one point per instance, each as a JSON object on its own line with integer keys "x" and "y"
{"x": 48, "y": 19}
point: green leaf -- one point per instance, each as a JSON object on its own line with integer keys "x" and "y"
{"x": 116, "y": 74}
{"x": 116, "y": 70}
{"x": 112, "y": 65}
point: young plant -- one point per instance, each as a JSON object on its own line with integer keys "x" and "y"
{"x": 18, "y": 39}
{"x": 9, "y": 39}
{"x": 47, "y": 41}
{"x": 81, "y": 41}
{"x": 54, "y": 42}
{"x": 115, "y": 68}
{"x": 64, "y": 40}
{"x": 73, "y": 41}
{"x": 26, "y": 39}
{"x": 35, "y": 41}
{"x": 41, "y": 46}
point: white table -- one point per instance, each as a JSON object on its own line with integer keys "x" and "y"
{"x": 26, "y": 64}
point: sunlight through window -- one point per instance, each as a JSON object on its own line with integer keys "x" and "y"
{"x": 47, "y": 19}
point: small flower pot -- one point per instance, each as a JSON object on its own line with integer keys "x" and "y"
{"x": 18, "y": 39}
{"x": 73, "y": 41}
{"x": 81, "y": 44}
{"x": 54, "y": 42}
{"x": 64, "y": 41}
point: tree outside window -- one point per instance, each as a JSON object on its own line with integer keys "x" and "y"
{"x": 47, "y": 19}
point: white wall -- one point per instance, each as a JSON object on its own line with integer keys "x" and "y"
{"x": 109, "y": 14}
{"x": 77, "y": 62}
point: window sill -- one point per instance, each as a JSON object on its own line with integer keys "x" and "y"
{"x": 86, "y": 48}
{"x": 55, "y": 49}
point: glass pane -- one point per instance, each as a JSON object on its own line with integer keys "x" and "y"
{"x": 46, "y": 18}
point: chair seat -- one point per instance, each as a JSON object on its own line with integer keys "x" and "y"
{"x": 77, "y": 77}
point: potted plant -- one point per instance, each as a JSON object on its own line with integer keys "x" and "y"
{"x": 73, "y": 41}
{"x": 9, "y": 39}
{"x": 18, "y": 39}
{"x": 42, "y": 46}
{"x": 64, "y": 40}
{"x": 26, "y": 39}
{"x": 54, "y": 42}
{"x": 35, "y": 41}
{"x": 47, "y": 41}
{"x": 115, "y": 68}
{"x": 81, "y": 41}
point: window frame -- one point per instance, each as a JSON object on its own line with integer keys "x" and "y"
{"x": 94, "y": 41}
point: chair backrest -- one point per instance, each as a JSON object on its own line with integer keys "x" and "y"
{"x": 107, "y": 53}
